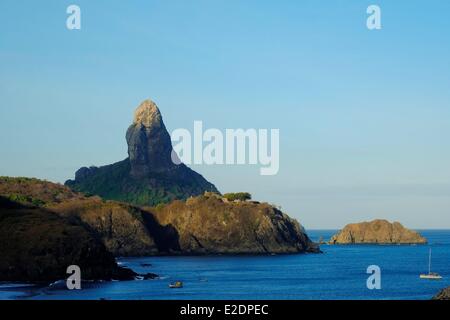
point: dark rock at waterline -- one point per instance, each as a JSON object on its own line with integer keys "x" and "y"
{"x": 149, "y": 276}
{"x": 123, "y": 274}
{"x": 377, "y": 232}
{"x": 145, "y": 265}
{"x": 444, "y": 294}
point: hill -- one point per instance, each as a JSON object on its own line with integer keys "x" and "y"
{"x": 39, "y": 245}
{"x": 148, "y": 176}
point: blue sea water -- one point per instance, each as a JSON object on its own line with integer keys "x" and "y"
{"x": 338, "y": 273}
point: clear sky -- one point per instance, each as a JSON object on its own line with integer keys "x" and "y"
{"x": 364, "y": 116}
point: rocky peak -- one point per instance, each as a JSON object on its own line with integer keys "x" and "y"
{"x": 149, "y": 144}
{"x": 148, "y": 115}
{"x": 147, "y": 176}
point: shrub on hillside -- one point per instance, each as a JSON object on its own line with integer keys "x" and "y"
{"x": 242, "y": 196}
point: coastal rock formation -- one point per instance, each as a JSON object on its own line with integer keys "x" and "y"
{"x": 125, "y": 230}
{"x": 148, "y": 176}
{"x": 211, "y": 225}
{"x": 207, "y": 224}
{"x": 197, "y": 226}
{"x": 38, "y": 245}
{"x": 444, "y": 294}
{"x": 149, "y": 145}
{"x": 377, "y": 232}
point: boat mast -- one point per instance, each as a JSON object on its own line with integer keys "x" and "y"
{"x": 429, "y": 263}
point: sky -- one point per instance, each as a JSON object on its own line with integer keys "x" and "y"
{"x": 364, "y": 115}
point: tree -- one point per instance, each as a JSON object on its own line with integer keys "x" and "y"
{"x": 242, "y": 196}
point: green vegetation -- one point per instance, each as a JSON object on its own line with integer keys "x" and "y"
{"x": 19, "y": 180}
{"x": 242, "y": 196}
{"x": 34, "y": 192}
{"x": 26, "y": 200}
{"x": 159, "y": 206}
{"x": 113, "y": 182}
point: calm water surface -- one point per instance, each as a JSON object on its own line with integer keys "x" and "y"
{"x": 338, "y": 273}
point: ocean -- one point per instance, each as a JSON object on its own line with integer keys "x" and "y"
{"x": 339, "y": 273}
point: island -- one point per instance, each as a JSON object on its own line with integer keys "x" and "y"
{"x": 377, "y": 232}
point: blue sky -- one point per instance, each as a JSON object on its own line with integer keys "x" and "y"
{"x": 364, "y": 116}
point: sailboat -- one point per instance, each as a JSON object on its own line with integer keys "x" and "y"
{"x": 430, "y": 275}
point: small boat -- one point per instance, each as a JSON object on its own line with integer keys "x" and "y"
{"x": 176, "y": 284}
{"x": 430, "y": 275}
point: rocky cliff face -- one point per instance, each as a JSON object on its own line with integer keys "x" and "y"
{"x": 444, "y": 294}
{"x": 148, "y": 176}
{"x": 377, "y": 232}
{"x": 149, "y": 145}
{"x": 210, "y": 225}
{"x": 124, "y": 230}
{"x": 200, "y": 225}
{"x": 38, "y": 245}
{"x": 207, "y": 224}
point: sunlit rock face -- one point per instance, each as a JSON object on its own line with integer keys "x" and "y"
{"x": 149, "y": 145}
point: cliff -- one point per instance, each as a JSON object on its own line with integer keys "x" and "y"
{"x": 444, "y": 294}
{"x": 38, "y": 245}
{"x": 197, "y": 226}
{"x": 377, "y": 232}
{"x": 124, "y": 229}
{"x": 211, "y": 225}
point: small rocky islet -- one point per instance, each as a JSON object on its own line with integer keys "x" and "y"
{"x": 377, "y": 232}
